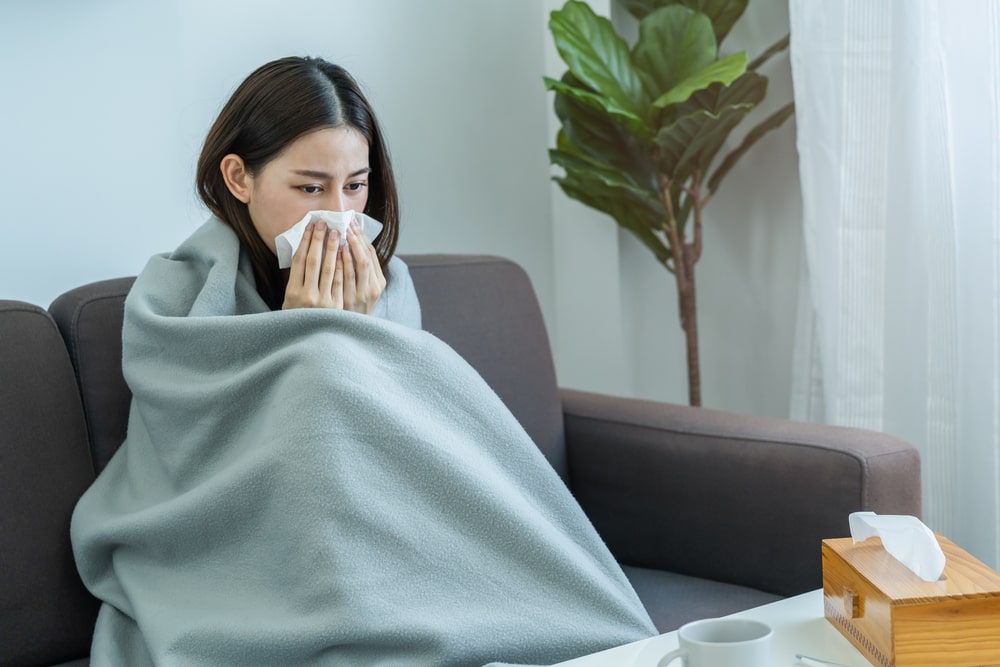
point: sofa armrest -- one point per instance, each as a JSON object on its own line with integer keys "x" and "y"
{"x": 728, "y": 497}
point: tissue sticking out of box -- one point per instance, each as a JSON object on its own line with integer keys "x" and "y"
{"x": 906, "y": 538}
{"x": 288, "y": 242}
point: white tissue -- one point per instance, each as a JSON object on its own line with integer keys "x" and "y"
{"x": 906, "y": 538}
{"x": 288, "y": 242}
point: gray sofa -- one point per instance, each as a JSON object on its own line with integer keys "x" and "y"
{"x": 708, "y": 512}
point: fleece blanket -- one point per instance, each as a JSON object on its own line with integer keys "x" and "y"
{"x": 319, "y": 487}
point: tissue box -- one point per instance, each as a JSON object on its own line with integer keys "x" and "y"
{"x": 896, "y": 619}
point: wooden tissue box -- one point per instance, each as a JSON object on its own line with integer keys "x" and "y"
{"x": 896, "y": 619}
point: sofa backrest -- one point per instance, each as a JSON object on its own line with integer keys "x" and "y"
{"x": 483, "y": 306}
{"x": 90, "y": 320}
{"x": 46, "y": 615}
{"x": 486, "y": 309}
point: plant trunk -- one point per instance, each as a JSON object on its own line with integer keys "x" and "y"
{"x": 689, "y": 323}
{"x": 684, "y": 256}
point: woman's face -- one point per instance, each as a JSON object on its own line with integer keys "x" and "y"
{"x": 322, "y": 170}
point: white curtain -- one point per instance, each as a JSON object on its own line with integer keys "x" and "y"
{"x": 898, "y": 115}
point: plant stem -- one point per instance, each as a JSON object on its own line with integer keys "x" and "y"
{"x": 697, "y": 205}
{"x": 777, "y": 47}
{"x": 689, "y": 322}
{"x": 684, "y": 256}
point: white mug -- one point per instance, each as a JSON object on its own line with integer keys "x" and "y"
{"x": 723, "y": 642}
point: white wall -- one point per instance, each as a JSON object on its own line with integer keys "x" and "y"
{"x": 105, "y": 103}
{"x": 94, "y": 172}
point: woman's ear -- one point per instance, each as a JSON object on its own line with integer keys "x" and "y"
{"x": 237, "y": 178}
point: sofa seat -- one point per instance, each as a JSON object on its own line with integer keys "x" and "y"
{"x": 674, "y": 599}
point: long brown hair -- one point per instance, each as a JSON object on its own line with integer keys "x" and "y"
{"x": 274, "y": 106}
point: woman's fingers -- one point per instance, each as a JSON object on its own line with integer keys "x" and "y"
{"x": 369, "y": 281}
{"x": 337, "y": 289}
{"x": 314, "y": 258}
{"x": 350, "y": 275}
{"x": 376, "y": 268}
{"x": 297, "y": 292}
{"x": 295, "y": 275}
{"x": 310, "y": 278}
{"x": 329, "y": 265}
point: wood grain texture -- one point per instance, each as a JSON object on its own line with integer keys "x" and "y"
{"x": 899, "y": 620}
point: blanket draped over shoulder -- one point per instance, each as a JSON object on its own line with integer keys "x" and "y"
{"x": 319, "y": 487}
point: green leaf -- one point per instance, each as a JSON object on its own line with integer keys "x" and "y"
{"x": 610, "y": 176}
{"x": 692, "y": 141}
{"x": 749, "y": 88}
{"x": 674, "y": 44}
{"x": 641, "y": 8}
{"x": 722, "y": 13}
{"x": 772, "y": 122}
{"x": 719, "y": 102}
{"x": 610, "y": 190}
{"x": 723, "y": 71}
{"x": 620, "y": 205}
{"x": 597, "y": 56}
{"x": 594, "y": 133}
{"x": 628, "y": 119}
{"x": 584, "y": 167}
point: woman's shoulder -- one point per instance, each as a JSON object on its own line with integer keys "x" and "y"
{"x": 399, "y": 301}
{"x": 398, "y": 263}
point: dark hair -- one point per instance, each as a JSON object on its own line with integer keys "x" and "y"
{"x": 273, "y": 107}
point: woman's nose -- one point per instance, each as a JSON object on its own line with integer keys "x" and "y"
{"x": 337, "y": 202}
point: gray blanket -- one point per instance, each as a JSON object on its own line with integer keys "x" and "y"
{"x": 318, "y": 487}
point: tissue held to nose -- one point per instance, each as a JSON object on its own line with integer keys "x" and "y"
{"x": 288, "y": 242}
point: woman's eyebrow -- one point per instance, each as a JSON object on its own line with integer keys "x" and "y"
{"x": 311, "y": 173}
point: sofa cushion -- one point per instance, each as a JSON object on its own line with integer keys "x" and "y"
{"x": 675, "y": 599}
{"x": 48, "y": 616}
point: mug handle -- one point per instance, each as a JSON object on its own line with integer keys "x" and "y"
{"x": 670, "y": 657}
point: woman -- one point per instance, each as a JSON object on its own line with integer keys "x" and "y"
{"x": 299, "y": 135}
{"x": 309, "y": 478}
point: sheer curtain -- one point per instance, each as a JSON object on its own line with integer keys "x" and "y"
{"x": 898, "y": 115}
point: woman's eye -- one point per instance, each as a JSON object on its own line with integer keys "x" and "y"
{"x": 354, "y": 187}
{"x": 311, "y": 189}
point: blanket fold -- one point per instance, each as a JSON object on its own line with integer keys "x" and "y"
{"x": 318, "y": 487}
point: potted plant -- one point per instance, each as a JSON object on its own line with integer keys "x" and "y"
{"x": 642, "y": 126}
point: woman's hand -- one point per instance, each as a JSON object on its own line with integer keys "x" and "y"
{"x": 329, "y": 275}
{"x": 360, "y": 272}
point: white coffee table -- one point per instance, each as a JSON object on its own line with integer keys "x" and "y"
{"x": 799, "y": 628}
